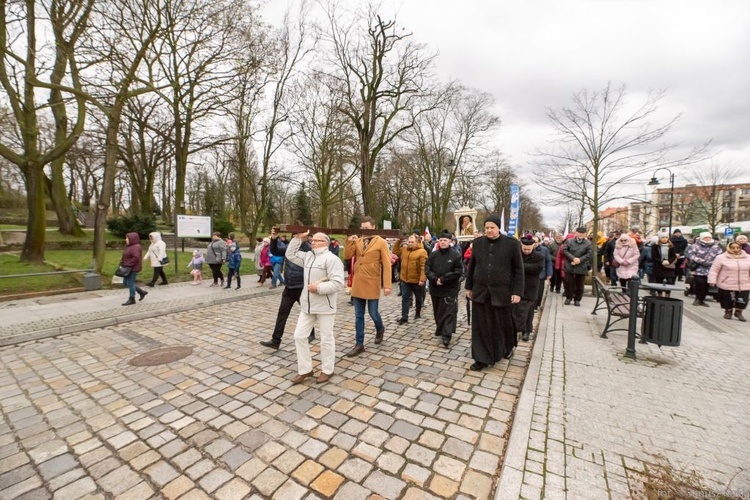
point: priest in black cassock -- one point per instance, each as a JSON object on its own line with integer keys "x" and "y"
{"x": 494, "y": 282}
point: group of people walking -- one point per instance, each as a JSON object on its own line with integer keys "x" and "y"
{"x": 504, "y": 280}
{"x": 494, "y": 283}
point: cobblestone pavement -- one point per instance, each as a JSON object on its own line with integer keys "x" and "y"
{"x": 590, "y": 421}
{"x": 406, "y": 419}
{"x": 43, "y": 317}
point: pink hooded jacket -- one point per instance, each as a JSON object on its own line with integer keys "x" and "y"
{"x": 729, "y": 273}
{"x": 626, "y": 254}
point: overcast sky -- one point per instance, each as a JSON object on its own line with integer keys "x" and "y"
{"x": 532, "y": 55}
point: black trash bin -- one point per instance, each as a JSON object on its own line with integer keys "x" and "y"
{"x": 662, "y": 321}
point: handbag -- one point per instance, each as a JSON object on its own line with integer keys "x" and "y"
{"x": 615, "y": 264}
{"x": 123, "y": 271}
{"x": 164, "y": 261}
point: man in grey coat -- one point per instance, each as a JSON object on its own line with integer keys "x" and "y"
{"x": 578, "y": 254}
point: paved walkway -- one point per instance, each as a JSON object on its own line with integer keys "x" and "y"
{"x": 406, "y": 419}
{"x": 590, "y": 422}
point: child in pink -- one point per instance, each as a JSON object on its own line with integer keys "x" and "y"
{"x": 197, "y": 265}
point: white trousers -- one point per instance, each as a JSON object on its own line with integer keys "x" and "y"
{"x": 323, "y": 324}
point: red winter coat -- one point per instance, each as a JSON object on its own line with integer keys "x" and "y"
{"x": 132, "y": 256}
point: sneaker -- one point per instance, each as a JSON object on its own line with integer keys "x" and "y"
{"x": 577, "y": 303}
{"x": 567, "y": 302}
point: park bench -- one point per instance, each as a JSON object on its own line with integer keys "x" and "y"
{"x": 617, "y": 303}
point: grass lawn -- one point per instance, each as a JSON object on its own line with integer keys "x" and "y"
{"x": 11, "y": 265}
{"x": 81, "y": 259}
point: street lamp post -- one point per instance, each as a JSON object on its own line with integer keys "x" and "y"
{"x": 655, "y": 182}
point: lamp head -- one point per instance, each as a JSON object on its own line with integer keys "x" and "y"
{"x": 653, "y": 182}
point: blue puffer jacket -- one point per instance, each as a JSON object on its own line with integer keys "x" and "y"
{"x": 234, "y": 259}
{"x": 293, "y": 274}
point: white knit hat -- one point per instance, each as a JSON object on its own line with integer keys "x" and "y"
{"x": 705, "y": 234}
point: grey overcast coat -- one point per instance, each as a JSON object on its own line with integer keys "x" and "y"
{"x": 581, "y": 249}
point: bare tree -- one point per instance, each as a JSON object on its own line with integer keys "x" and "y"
{"x": 68, "y": 20}
{"x": 23, "y": 59}
{"x": 380, "y": 74}
{"x": 123, "y": 43}
{"x": 711, "y": 190}
{"x": 322, "y": 145}
{"x": 145, "y": 149}
{"x": 199, "y": 48}
{"x": 603, "y": 142}
{"x": 450, "y": 139}
{"x": 294, "y": 43}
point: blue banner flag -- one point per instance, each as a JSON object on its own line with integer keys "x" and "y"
{"x": 515, "y": 210}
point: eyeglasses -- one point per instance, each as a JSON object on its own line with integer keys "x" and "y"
{"x": 319, "y": 240}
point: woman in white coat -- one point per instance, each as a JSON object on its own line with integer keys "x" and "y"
{"x": 626, "y": 257}
{"x": 157, "y": 252}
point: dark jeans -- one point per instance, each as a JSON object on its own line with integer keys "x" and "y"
{"x": 359, "y": 317}
{"x": 216, "y": 271}
{"x": 158, "y": 273}
{"x": 700, "y": 287}
{"x": 129, "y": 282}
{"x": 233, "y": 272}
{"x": 731, "y": 299}
{"x": 574, "y": 286}
{"x": 613, "y": 275}
{"x": 407, "y": 289}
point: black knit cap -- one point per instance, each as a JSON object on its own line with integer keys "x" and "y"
{"x": 494, "y": 218}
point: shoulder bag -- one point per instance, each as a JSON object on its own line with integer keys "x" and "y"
{"x": 123, "y": 271}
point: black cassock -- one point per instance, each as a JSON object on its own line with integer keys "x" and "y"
{"x": 495, "y": 273}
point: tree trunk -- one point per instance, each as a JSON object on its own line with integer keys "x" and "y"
{"x": 108, "y": 188}
{"x": 68, "y": 224}
{"x": 33, "y": 247}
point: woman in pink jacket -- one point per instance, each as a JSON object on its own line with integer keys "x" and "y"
{"x": 730, "y": 272}
{"x": 626, "y": 256}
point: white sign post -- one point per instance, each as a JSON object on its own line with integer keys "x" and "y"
{"x": 193, "y": 226}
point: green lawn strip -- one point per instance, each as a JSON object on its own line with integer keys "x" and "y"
{"x": 10, "y": 265}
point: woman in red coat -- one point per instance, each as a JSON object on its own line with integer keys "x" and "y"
{"x": 132, "y": 257}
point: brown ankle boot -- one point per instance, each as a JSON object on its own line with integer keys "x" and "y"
{"x": 728, "y": 314}
{"x": 738, "y": 315}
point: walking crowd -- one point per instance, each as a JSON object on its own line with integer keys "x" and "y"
{"x": 504, "y": 279}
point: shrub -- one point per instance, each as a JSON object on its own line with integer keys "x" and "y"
{"x": 223, "y": 226}
{"x": 139, "y": 223}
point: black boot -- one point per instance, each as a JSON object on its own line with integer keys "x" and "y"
{"x": 525, "y": 336}
{"x": 130, "y": 301}
{"x": 142, "y": 293}
{"x": 239, "y": 283}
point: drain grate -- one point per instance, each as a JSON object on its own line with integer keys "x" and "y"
{"x": 161, "y": 356}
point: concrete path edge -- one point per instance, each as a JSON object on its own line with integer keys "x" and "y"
{"x": 511, "y": 474}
